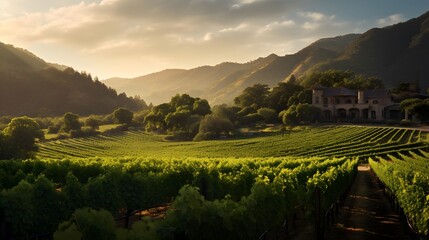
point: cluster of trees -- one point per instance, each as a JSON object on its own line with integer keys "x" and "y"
{"x": 339, "y": 78}
{"x": 18, "y": 138}
{"x": 260, "y": 103}
{"x": 181, "y": 116}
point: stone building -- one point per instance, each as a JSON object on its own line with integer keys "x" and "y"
{"x": 343, "y": 103}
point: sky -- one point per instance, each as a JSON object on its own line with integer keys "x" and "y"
{"x": 130, "y": 38}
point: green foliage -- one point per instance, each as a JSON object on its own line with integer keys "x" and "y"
{"x": 45, "y": 91}
{"x": 417, "y": 106}
{"x": 212, "y": 126}
{"x": 88, "y": 224}
{"x": 256, "y": 94}
{"x": 296, "y": 114}
{"x": 178, "y": 119}
{"x": 339, "y": 78}
{"x": 19, "y": 140}
{"x": 201, "y": 107}
{"x": 92, "y": 122}
{"x": 278, "y": 98}
{"x": 224, "y": 111}
{"x": 71, "y": 122}
{"x": 123, "y": 116}
{"x": 356, "y": 141}
{"x": 251, "y": 119}
{"x": 408, "y": 179}
{"x": 269, "y": 115}
{"x": 231, "y": 186}
{"x": 181, "y": 116}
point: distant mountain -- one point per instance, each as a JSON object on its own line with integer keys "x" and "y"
{"x": 396, "y": 54}
{"x": 30, "y": 86}
{"x": 221, "y": 83}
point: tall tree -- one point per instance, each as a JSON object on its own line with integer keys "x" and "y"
{"x": 254, "y": 96}
{"x": 71, "y": 122}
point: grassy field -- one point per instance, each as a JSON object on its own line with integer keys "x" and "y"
{"x": 318, "y": 141}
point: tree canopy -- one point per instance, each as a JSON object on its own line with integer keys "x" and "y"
{"x": 18, "y": 139}
{"x": 71, "y": 122}
{"x": 253, "y": 96}
{"x": 339, "y": 78}
{"x": 123, "y": 116}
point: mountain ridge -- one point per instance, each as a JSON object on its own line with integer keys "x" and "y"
{"x": 230, "y": 78}
{"x": 395, "y": 54}
{"x": 33, "y": 87}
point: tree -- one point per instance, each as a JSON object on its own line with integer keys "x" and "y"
{"x": 339, "y": 78}
{"x": 177, "y": 120}
{"x": 212, "y": 126}
{"x": 300, "y": 113}
{"x": 223, "y": 111}
{"x": 183, "y": 100}
{"x": 201, "y": 107}
{"x": 92, "y": 122}
{"x": 20, "y": 135}
{"x": 256, "y": 94}
{"x": 71, "y": 122}
{"x": 417, "y": 106}
{"x": 409, "y": 104}
{"x": 123, "y": 116}
{"x": 279, "y": 97}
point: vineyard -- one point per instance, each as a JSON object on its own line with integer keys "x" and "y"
{"x": 238, "y": 192}
{"x": 407, "y": 180}
{"x": 92, "y": 188}
{"x": 335, "y": 141}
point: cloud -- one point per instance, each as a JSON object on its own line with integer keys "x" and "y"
{"x": 277, "y": 25}
{"x": 390, "y": 20}
{"x": 316, "y": 16}
{"x": 182, "y": 33}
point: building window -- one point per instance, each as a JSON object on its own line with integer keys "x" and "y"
{"x": 375, "y": 101}
{"x": 373, "y": 115}
{"x": 348, "y": 101}
{"x": 337, "y": 100}
{"x": 317, "y": 100}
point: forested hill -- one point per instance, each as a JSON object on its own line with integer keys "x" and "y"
{"x": 395, "y": 54}
{"x": 30, "y": 86}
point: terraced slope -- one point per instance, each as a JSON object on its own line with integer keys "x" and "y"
{"x": 332, "y": 141}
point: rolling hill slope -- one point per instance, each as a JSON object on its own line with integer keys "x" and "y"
{"x": 30, "y": 86}
{"x": 396, "y": 54}
{"x": 221, "y": 83}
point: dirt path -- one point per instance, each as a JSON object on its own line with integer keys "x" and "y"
{"x": 366, "y": 213}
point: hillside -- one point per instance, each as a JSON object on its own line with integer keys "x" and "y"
{"x": 30, "y": 86}
{"x": 221, "y": 83}
{"x": 395, "y": 54}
